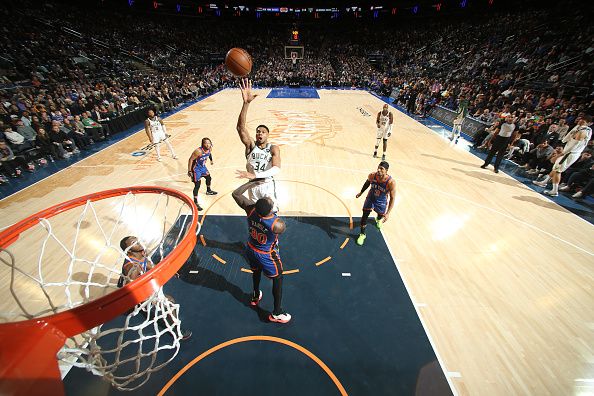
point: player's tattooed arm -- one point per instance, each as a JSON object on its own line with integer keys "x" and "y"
{"x": 365, "y": 187}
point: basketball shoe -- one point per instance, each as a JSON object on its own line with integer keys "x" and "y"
{"x": 361, "y": 239}
{"x": 280, "y": 318}
{"x": 197, "y": 204}
{"x": 379, "y": 223}
{"x": 256, "y": 300}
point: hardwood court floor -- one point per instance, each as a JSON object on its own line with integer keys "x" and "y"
{"x": 500, "y": 276}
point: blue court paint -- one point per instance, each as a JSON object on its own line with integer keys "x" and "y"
{"x": 363, "y": 327}
{"x": 293, "y": 93}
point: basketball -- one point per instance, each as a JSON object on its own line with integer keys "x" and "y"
{"x": 488, "y": 168}
{"x": 238, "y": 62}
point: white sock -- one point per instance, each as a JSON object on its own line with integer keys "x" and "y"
{"x": 555, "y": 188}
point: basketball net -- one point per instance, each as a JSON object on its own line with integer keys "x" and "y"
{"x": 128, "y": 349}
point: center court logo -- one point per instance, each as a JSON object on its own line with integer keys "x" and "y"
{"x": 296, "y": 127}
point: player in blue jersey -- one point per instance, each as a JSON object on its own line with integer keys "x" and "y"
{"x": 136, "y": 263}
{"x": 382, "y": 187}
{"x": 262, "y": 250}
{"x": 197, "y": 168}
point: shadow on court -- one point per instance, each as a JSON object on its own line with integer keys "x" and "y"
{"x": 351, "y": 314}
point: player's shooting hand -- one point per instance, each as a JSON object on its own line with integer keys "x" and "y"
{"x": 244, "y": 175}
{"x": 246, "y": 90}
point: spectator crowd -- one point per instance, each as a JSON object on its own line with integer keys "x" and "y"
{"x": 62, "y": 78}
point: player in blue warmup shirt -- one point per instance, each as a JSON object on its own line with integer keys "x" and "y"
{"x": 382, "y": 186}
{"x": 262, "y": 251}
{"x": 197, "y": 168}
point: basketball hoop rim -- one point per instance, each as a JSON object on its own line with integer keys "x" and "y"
{"x": 101, "y": 310}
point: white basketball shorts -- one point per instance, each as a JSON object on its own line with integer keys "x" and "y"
{"x": 266, "y": 189}
{"x": 159, "y": 136}
{"x": 384, "y": 133}
{"x": 565, "y": 161}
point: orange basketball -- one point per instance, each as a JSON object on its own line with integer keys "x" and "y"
{"x": 238, "y": 62}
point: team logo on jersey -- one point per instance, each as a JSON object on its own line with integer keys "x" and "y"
{"x": 295, "y": 127}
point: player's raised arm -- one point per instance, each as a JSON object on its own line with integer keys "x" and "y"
{"x": 241, "y": 200}
{"x": 245, "y": 86}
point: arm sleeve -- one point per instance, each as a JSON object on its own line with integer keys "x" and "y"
{"x": 269, "y": 173}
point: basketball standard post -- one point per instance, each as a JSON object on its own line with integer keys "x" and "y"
{"x": 299, "y": 51}
{"x": 28, "y": 363}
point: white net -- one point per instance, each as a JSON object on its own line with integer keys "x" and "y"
{"x": 127, "y": 354}
{"x": 75, "y": 257}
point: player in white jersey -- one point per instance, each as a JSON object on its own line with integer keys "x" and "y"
{"x": 384, "y": 122}
{"x": 575, "y": 141}
{"x": 263, "y": 158}
{"x": 156, "y": 132}
{"x": 462, "y": 112}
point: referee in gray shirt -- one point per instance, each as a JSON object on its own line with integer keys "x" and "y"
{"x": 500, "y": 142}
